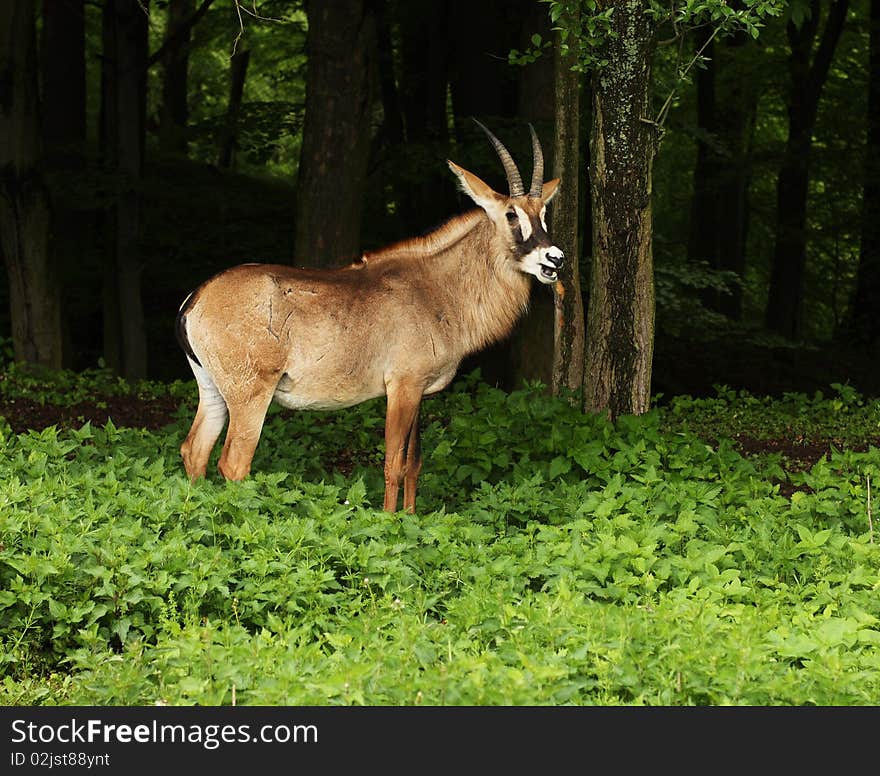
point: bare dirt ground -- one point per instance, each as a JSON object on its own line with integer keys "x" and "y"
{"x": 24, "y": 414}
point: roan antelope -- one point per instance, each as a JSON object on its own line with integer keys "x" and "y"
{"x": 398, "y": 322}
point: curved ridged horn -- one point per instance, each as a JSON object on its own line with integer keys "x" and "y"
{"x": 513, "y": 179}
{"x": 538, "y": 172}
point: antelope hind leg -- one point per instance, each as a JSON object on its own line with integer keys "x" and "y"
{"x": 245, "y": 425}
{"x": 206, "y": 427}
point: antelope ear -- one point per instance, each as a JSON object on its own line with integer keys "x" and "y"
{"x": 479, "y": 191}
{"x": 549, "y": 190}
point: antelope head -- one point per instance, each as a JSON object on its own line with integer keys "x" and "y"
{"x": 519, "y": 216}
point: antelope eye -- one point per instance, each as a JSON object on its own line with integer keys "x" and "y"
{"x": 512, "y": 216}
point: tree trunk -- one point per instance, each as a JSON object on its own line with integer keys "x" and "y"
{"x": 726, "y": 107}
{"x": 392, "y": 113}
{"x": 34, "y": 293}
{"x": 63, "y": 70}
{"x": 174, "y": 112}
{"x": 238, "y": 66}
{"x": 702, "y": 244}
{"x": 532, "y": 343}
{"x": 481, "y": 82}
{"x": 336, "y": 132}
{"x": 424, "y": 60}
{"x": 123, "y": 122}
{"x": 568, "y": 330}
{"x": 785, "y": 297}
{"x": 620, "y": 324}
{"x": 864, "y": 320}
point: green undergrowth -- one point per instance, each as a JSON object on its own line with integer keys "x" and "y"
{"x": 842, "y": 417}
{"x": 556, "y": 558}
{"x": 65, "y": 388}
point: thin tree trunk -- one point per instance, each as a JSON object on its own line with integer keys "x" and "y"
{"x": 736, "y": 112}
{"x": 531, "y": 346}
{"x": 108, "y": 132}
{"x": 123, "y": 113}
{"x": 620, "y": 324}
{"x": 785, "y": 297}
{"x": 34, "y": 294}
{"x": 702, "y": 244}
{"x": 424, "y": 60}
{"x": 336, "y": 132}
{"x": 238, "y": 66}
{"x": 568, "y": 329}
{"x": 481, "y": 82}
{"x": 174, "y": 112}
{"x": 392, "y": 124}
{"x": 63, "y": 71}
{"x": 864, "y": 319}
{"x": 726, "y": 105}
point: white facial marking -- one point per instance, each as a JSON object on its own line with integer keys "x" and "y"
{"x": 543, "y": 263}
{"x": 524, "y": 223}
{"x": 543, "y": 217}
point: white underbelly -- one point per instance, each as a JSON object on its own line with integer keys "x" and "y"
{"x": 301, "y": 391}
{"x": 295, "y": 401}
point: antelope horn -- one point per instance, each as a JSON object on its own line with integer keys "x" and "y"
{"x": 538, "y": 171}
{"x": 513, "y": 179}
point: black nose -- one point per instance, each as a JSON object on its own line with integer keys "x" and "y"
{"x": 556, "y": 257}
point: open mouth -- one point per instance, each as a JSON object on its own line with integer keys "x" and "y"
{"x": 549, "y": 272}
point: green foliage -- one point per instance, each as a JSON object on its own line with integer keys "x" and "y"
{"x": 64, "y": 388}
{"x": 844, "y": 417}
{"x": 837, "y": 162}
{"x": 269, "y": 124}
{"x": 538, "y": 47}
{"x": 557, "y": 558}
{"x": 726, "y": 17}
{"x": 676, "y": 290}
{"x": 585, "y": 25}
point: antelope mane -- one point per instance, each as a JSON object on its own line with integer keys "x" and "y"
{"x": 436, "y": 241}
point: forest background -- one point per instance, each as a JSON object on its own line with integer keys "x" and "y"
{"x": 720, "y": 168}
{"x": 171, "y": 139}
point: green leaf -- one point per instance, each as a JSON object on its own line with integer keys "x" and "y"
{"x": 559, "y": 465}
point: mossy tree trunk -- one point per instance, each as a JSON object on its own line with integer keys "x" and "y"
{"x": 620, "y": 322}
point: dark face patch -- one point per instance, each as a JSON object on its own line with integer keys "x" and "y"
{"x": 527, "y": 230}
{"x": 533, "y": 250}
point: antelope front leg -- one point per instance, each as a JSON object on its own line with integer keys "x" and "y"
{"x": 400, "y": 419}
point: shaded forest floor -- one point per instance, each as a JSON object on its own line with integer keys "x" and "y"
{"x": 152, "y": 414}
{"x": 798, "y": 452}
